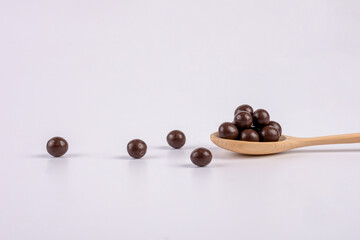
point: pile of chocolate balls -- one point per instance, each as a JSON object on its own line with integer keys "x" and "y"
{"x": 249, "y": 125}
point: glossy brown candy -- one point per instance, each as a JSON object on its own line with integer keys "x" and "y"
{"x": 176, "y": 139}
{"x": 136, "y": 148}
{"x": 269, "y": 134}
{"x": 228, "y": 130}
{"x": 57, "y": 146}
{"x": 276, "y": 125}
{"x": 243, "y": 120}
{"x": 244, "y": 107}
{"x": 249, "y": 135}
{"x": 261, "y": 117}
{"x": 201, "y": 157}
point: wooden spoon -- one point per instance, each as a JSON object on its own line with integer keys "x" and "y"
{"x": 285, "y": 143}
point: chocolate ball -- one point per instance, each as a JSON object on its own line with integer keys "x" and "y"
{"x": 269, "y": 134}
{"x": 228, "y": 130}
{"x": 176, "y": 139}
{"x": 243, "y": 119}
{"x": 249, "y": 135}
{"x": 136, "y": 148}
{"x": 276, "y": 125}
{"x": 261, "y": 117}
{"x": 57, "y": 146}
{"x": 244, "y": 107}
{"x": 201, "y": 157}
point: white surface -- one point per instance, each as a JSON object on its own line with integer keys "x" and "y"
{"x": 101, "y": 73}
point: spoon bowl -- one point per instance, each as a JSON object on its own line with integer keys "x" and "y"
{"x": 285, "y": 143}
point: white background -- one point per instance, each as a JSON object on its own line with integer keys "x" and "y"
{"x": 100, "y": 73}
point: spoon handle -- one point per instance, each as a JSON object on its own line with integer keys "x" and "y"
{"x": 333, "y": 139}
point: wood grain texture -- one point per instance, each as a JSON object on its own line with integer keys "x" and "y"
{"x": 285, "y": 143}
